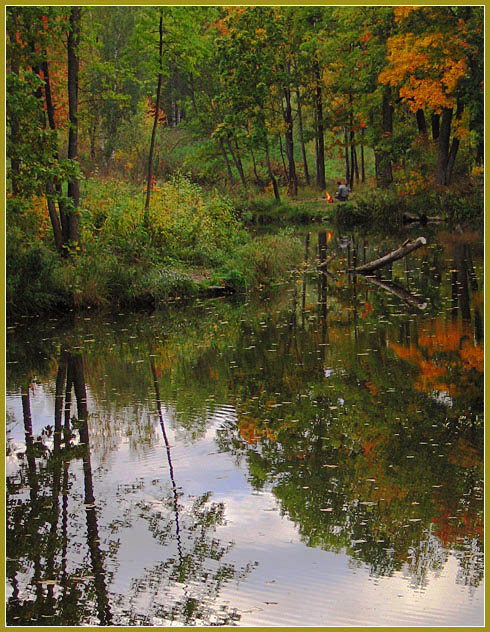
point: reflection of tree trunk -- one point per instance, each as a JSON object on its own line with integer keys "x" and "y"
{"x": 303, "y": 300}
{"x": 56, "y": 460}
{"x": 322, "y": 281}
{"x": 403, "y": 294}
{"x": 169, "y": 457}
{"x": 32, "y": 520}
{"x": 462, "y": 281}
{"x": 93, "y": 541}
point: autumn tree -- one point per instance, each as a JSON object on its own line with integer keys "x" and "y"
{"x": 435, "y": 62}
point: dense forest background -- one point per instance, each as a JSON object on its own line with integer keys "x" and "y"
{"x": 151, "y": 134}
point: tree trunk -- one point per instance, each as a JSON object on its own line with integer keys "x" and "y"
{"x": 73, "y": 65}
{"x": 435, "y": 122}
{"x": 346, "y": 155}
{"x": 363, "y": 169}
{"x": 237, "y": 161}
{"x": 454, "y": 147}
{"x": 356, "y": 165}
{"x": 384, "y": 173}
{"x": 301, "y": 138}
{"x": 443, "y": 151}
{"x": 59, "y": 223}
{"x": 421, "y": 124}
{"x": 288, "y": 119}
{"x": 258, "y": 179}
{"x": 281, "y": 151}
{"x": 399, "y": 253}
{"x": 155, "y": 121}
{"x": 271, "y": 173}
{"x": 320, "y": 154}
{"x": 227, "y": 162}
{"x": 240, "y": 165}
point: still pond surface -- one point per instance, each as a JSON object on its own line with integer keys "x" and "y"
{"x": 311, "y": 456}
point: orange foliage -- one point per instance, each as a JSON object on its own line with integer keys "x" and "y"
{"x": 442, "y": 348}
{"x": 427, "y": 67}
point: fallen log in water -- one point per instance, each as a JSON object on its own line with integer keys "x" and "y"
{"x": 403, "y": 294}
{"x": 399, "y": 253}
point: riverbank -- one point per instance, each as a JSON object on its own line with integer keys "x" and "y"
{"x": 194, "y": 242}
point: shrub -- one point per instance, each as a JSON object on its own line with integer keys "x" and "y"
{"x": 263, "y": 260}
{"x": 33, "y": 280}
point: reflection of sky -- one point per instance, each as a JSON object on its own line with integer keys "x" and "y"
{"x": 292, "y": 584}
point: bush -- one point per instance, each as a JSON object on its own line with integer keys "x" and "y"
{"x": 33, "y": 280}
{"x": 263, "y": 261}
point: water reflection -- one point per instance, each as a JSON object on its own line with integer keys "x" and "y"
{"x": 361, "y": 412}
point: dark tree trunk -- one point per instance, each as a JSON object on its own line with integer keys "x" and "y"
{"x": 388, "y": 259}
{"x": 73, "y": 65}
{"x": 240, "y": 165}
{"x": 258, "y": 179}
{"x": 346, "y": 155}
{"x": 271, "y": 173}
{"x": 454, "y": 147}
{"x": 356, "y": 165}
{"x": 59, "y": 223}
{"x": 421, "y": 124}
{"x": 227, "y": 162}
{"x": 320, "y": 145}
{"x": 443, "y": 150}
{"x": 155, "y": 121}
{"x": 384, "y": 173}
{"x": 237, "y": 161}
{"x": 14, "y": 128}
{"x": 281, "y": 151}
{"x": 301, "y": 138}
{"x": 288, "y": 119}
{"x": 435, "y": 123}
{"x": 363, "y": 169}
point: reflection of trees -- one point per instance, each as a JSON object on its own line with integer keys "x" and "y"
{"x": 361, "y": 454}
{"x": 37, "y": 525}
{"x": 184, "y": 588}
{"x": 343, "y": 410}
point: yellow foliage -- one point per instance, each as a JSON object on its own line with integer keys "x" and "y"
{"x": 427, "y": 68}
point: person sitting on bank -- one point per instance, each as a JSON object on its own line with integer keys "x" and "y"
{"x": 342, "y": 193}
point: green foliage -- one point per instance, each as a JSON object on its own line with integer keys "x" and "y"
{"x": 34, "y": 277}
{"x": 263, "y": 261}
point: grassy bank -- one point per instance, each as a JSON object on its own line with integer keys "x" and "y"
{"x": 192, "y": 242}
{"x": 389, "y": 210}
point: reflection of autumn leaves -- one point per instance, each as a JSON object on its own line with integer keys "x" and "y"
{"x": 446, "y": 357}
{"x": 252, "y": 432}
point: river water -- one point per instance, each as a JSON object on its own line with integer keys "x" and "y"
{"x": 310, "y": 456}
